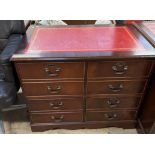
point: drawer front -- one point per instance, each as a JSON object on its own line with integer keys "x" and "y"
{"x": 116, "y": 87}
{"x": 111, "y": 116}
{"x": 53, "y": 88}
{"x": 56, "y": 117}
{"x": 55, "y": 104}
{"x": 113, "y": 102}
{"x": 105, "y": 69}
{"x": 49, "y": 70}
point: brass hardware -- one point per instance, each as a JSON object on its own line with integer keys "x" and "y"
{"x": 110, "y": 116}
{"x": 56, "y": 105}
{"x": 113, "y": 102}
{"x": 120, "y": 68}
{"x": 55, "y": 72}
{"x": 115, "y": 88}
{"x": 57, "y": 119}
{"x": 54, "y": 91}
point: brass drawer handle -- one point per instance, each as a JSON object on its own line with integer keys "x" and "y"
{"x": 110, "y": 116}
{"x": 120, "y": 68}
{"x": 56, "y": 105}
{"x": 51, "y": 90}
{"x": 55, "y": 69}
{"x": 113, "y": 102}
{"x": 115, "y": 88}
{"x": 57, "y": 119}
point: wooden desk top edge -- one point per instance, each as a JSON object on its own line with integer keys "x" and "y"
{"x": 21, "y": 56}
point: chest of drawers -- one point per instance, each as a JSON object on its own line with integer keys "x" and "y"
{"x": 73, "y": 89}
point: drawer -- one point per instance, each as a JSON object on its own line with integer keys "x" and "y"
{"x": 53, "y": 88}
{"x": 113, "y": 102}
{"x": 110, "y": 116}
{"x": 56, "y": 117}
{"x": 51, "y": 70}
{"x": 105, "y": 69}
{"x": 116, "y": 87}
{"x": 55, "y": 104}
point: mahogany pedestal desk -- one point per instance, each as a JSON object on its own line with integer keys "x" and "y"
{"x": 147, "y": 111}
{"x": 84, "y": 76}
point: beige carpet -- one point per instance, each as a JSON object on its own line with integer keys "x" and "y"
{"x": 16, "y": 122}
{"x": 24, "y": 128}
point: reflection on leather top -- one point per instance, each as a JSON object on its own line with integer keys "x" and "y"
{"x": 82, "y": 39}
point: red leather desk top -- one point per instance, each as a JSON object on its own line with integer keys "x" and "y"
{"x": 82, "y": 39}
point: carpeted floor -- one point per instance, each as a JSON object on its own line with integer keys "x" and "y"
{"x": 18, "y": 124}
{"x": 24, "y": 128}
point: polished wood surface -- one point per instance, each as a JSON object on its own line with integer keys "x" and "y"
{"x": 55, "y": 104}
{"x": 147, "y": 110}
{"x": 110, "y": 116}
{"x": 54, "y": 117}
{"x": 53, "y": 88}
{"x": 22, "y": 55}
{"x": 111, "y": 102}
{"x": 79, "y": 22}
{"x": 121, "y": 69}
{"x": 94, "y": 88}
{"x": 147, "y": 28}
{"x": 116, "y": 87}
{"x": 51, "y": 70}
{"x": 81, "y": 125}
